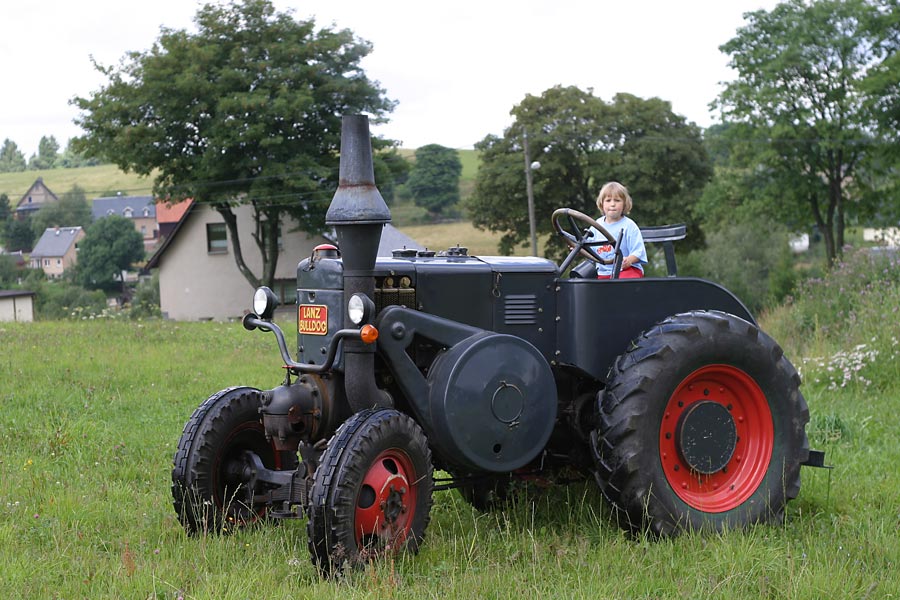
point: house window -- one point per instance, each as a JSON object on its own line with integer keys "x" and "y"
{"x": 144, "y": 230}
{"x": 146, "y": 212}
{"x": 216, "y": 238}
{"x": 58, "y": 262}
{"x": 128, "y": 212}
{"x": 46, "y": 262}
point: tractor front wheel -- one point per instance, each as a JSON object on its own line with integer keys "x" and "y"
{"x": 209, "y": 489}
{"x": 701, "y": 426}
{"x": 372, "y": 491}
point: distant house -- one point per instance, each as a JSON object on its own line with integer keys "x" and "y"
{"x": 141, "y": 210}
{"x": 168, "y": 216}
{"x": 57, "y": 250}
{"x": 37, "y": 196}
{"x": 198, "y": 278}
{"x": 16, "y": 305}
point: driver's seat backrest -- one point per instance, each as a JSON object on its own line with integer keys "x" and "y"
{"x": 666, "y": 235}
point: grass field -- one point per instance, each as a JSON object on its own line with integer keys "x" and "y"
{"x": 92, "y": 411}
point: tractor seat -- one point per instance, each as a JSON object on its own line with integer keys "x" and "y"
{"x": 661, "y": 234}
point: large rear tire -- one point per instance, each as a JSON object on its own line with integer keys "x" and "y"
{"x": 371, "y": 493}
{"x": 208, "y": 490}
{"x": 701, "y": 426}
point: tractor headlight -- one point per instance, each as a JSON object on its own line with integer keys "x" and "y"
{"x": 264, "y": 302}
{"x": 360, "y": 309}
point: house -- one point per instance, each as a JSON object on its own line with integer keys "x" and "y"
{"x": 37, "y": 196}
{"x": 141, "y": 210}
{"x": 168, "y": 216}
{"x": 198, "y": 277}
{"x": 57, "y": 250}
{"x": 16, "y": 305}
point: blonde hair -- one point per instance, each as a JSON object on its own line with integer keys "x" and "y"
{"x": 614, "y": 189}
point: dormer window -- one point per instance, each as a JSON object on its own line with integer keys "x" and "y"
{"x": 128, "y": 212}
{"x": 110, "y": 212}
{"x": 146, "y": 212}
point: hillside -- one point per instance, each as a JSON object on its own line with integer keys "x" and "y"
{"x": 106, "y": 179}
{"x": 96, "y": 181}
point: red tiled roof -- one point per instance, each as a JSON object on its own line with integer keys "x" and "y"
{"x": 166, "y": 213}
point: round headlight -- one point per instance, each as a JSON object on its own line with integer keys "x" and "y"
{"x": 264, "y": 302}
{"x": 356, "y": 308}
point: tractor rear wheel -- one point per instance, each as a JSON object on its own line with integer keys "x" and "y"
{"x": 371, "y": 493}
{"x": 701, "y": 426}
{"x": 209, "y": 492}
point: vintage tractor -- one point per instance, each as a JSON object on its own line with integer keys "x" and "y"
{"x": 491, "y": 370}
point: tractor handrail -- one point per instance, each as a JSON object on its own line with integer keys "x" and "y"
{"x": 252, "y": 321}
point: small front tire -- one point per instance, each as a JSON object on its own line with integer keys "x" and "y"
{"x": 371, "y": 493}
{"x": 208, "y": 490}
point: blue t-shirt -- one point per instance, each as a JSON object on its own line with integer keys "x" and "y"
{"x": 632, "y": 244}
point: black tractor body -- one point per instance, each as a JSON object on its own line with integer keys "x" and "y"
{"x": 430, "y": 370}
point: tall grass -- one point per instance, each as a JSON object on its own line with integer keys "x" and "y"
{"x": 92, "y": 411}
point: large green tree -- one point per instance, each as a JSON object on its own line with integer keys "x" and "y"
{"x": 72, "y": 210}
{"x": 11, "y": 158}
{"x": 581, "y": 143}
{"x": 434, "y": 178}
{"x": 799, "y": 100}
{"x": 110, "y": 245}
{"x": 247, "y": 109}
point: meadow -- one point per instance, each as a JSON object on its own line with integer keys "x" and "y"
{"x": 92, "y": 411}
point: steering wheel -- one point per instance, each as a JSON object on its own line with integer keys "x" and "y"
{"x": 579, "y": 239}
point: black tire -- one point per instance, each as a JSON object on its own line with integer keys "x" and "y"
{"x": 693, "y": 371}
{"x": 207, "y": 493}
{"x": 371, "y": 493}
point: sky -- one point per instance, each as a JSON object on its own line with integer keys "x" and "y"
{"x": 456, "y": 68}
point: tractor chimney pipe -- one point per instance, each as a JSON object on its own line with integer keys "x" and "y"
{"x": 358, "y": 213}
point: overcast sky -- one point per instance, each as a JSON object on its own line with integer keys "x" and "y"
{"x": 456, "y": 68}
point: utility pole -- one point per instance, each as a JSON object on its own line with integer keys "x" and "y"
{"x": 529, "y": 190}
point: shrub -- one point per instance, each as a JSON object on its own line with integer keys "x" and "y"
{"x": 753, "y": 260}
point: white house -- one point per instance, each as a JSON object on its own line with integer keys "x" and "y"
{"x": 199, "y": 279}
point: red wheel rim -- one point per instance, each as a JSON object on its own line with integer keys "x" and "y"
{"x": 746, "y": 468}
{"x": 386, "y": 502}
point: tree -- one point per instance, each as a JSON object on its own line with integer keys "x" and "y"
{"x": 47, "y": 156}
{"x": 72, "y": 210}
{"x": 246, "y": 110}
{"x": 110, "y": 245}
{"x": 799, "y": 95}
{"x": 18, "y": 235}
{"x": 434, "y": 178}
{"x": 11, "y": 158}
{"x": 5, "y": 208}
{"x": 71, "y": 158}
{"x": 582, "y": 142}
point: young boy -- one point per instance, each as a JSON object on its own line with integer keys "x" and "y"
{"x": 615, "y": 202}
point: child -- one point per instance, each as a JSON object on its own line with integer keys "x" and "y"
{"x": 615, "y": 202}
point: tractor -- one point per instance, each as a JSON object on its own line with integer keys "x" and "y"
{"x": 430, "y": 370}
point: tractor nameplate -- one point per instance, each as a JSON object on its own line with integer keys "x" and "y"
{"x": 312, "y": 319}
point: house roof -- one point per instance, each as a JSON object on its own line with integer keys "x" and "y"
{"x": 119, "y": 205}
{"x": 391, "y": 239}
{"x": 55, "y": 241}
{"x": 23, "y": 206}
{"x": 15, "y": 293}
{"x": 171, "y": 213}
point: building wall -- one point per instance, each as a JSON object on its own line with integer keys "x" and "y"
{"x": 195, "y": 284}
{"x": 55, "y": 266}
{"x": 17, "y": 308}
